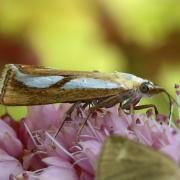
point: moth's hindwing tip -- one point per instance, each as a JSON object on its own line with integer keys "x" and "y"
{"x": 3, "y": 78}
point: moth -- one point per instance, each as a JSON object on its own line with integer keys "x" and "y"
{"x": 26, "y": 85}
{"x": 32, "y": 85}
{"x": 123, "y": 159}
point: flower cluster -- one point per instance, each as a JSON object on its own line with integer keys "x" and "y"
{"x": 30, "y": 148}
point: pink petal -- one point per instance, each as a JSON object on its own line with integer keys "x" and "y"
{"x": 5, "y": 128}
{"x": 143, "y": 133}
{"x": 9, "y": 141}
{"x": 113, "y": 123}
{"x": 33, "y": 160}
{"x": 86, "y": 176}
{"x": 12, "y": 145}
{"x": 91, "y": 149}
{"x": 8, "y": 166}
{"x": 56, "y": 161}
{"x": 173, "y": 151}
{"x": 56, "y": 173}
{"x": 43, "y": 117}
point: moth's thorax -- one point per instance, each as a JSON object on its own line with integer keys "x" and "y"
{"x": 130, "y": 81}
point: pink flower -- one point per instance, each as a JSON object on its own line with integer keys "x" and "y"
{"x": 58, "y": 169}
{"x": 9, "y": 166}
{"x": 35, "y": 152}
{"x": 9, "y": 141}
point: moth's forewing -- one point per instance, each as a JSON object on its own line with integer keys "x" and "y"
{"x": 122, "y": 159}
{"x": 31, "y": 85}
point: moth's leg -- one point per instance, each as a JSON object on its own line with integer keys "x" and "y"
{"x": 107, "y": 102}
{"x": 81, "y": 127}
{"x": 66, "y": 116}
{"x": 129, "y": 104}
{"x": 132, "y": 111}
{"x": 139, "y": 107}
{"x": 86, "y": 104}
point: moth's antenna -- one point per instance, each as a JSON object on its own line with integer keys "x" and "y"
{"x": 171, "y": 101}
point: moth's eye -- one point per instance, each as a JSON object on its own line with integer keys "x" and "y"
{"x": 144, "y": 87}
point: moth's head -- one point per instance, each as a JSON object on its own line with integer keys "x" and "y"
{"x": 147, "y": 88}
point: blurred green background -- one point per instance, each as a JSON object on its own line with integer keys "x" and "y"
{"x": 136, "y": 36}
